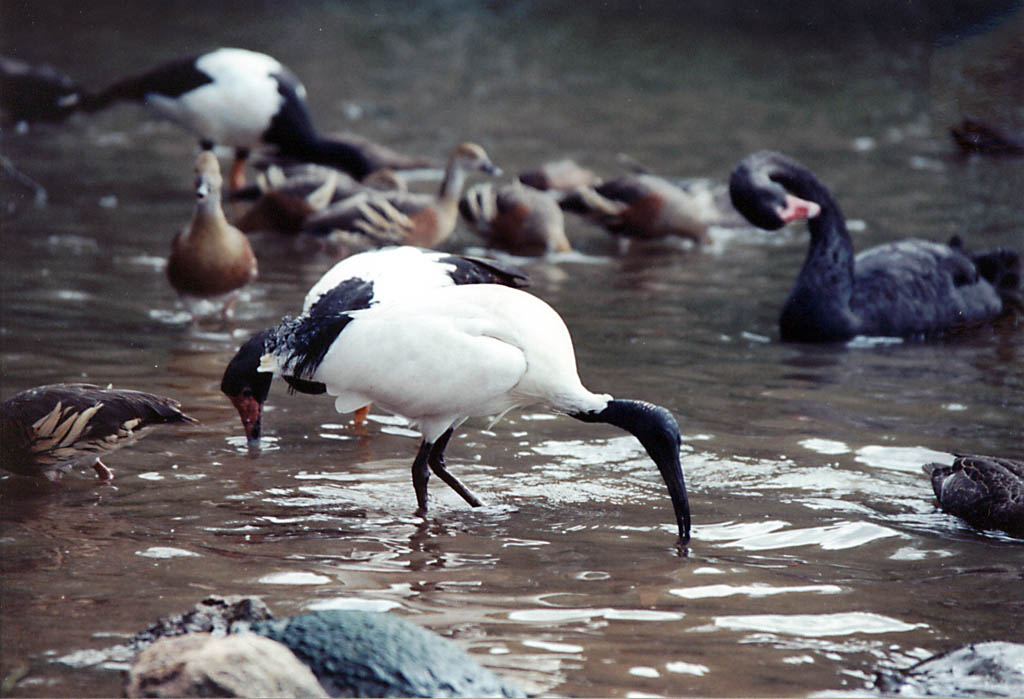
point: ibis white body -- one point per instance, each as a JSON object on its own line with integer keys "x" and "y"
{"x": 452, "y": 353}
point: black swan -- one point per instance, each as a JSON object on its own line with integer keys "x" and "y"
{"x": 903, "y": 289}
{"x": 985, "y": 491}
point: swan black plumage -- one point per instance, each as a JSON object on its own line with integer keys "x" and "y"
{"x": 985, "y": 491}
{"x": 907, "y": 288}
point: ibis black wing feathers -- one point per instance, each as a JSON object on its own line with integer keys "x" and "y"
{"x": 305, "y": 340}
{"x": 480, "y": 270}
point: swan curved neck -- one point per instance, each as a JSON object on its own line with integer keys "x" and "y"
{"x": 820, "y": 299}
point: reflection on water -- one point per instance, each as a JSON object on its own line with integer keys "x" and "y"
{"x": 818, "y": 556}
{"x": 814, "y": 625}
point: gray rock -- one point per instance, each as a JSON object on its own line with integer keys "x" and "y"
{"x": 202, "y": 665}
{"x": 214, "y": 614}
{"x": 367, "y": 654}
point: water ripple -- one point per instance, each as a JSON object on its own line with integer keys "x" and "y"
{"x": 909, "y": 459}
{"x": 294, "y": 578}
{"x": 844, "y": 535}
{"x": 754, "y": 590}
{"x": 552, "y": 616}
{"x": 837, "y": 624}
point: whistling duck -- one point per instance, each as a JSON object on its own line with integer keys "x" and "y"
{"x": 368, "y": 278}
{"x": 405, "y": 217}
{"x": 986, "y": 491}
{"x": 45, "y": 431}
{"x": 236, "y": 98}
{"x": 908, "y": 288}
{"x": 974, "y": 136}
{"x": 559, "y": 175}
{"x": 210, "y": 258}
{"x": 444, "y": 354}
{"x": 373, "y": 654}
{"x": 32, "y": 93}
{"x": 641, "y": 207}
{"x": 287, "y": 196}
{"x": 515, "y": 218}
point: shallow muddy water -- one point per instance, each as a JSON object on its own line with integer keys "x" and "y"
{"x": 818, "y": 557}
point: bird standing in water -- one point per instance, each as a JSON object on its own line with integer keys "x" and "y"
{"x": 443, "y": 355}
{"x": 236, "y": 98}
{"x": 373, "y": 277}
{"x": 211, "y": 258}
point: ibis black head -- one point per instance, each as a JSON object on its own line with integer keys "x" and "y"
{"x": 247, "y": 387}
{"x": 658, "y": 431}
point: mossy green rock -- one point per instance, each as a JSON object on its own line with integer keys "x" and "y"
{"x": 370, "y": 654}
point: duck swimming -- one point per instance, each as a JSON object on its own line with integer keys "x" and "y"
{"x": 985, "y": 491}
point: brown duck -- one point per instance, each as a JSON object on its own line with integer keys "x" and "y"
{"x": 515, "y": 218}
{"x": 641, "y": 206}
{"x": 211, "y": 258}
{"x": 406, "y": 218}
{"x": 49, "y": 429}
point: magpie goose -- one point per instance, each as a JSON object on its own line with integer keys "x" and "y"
{"x": 236, "y": 98}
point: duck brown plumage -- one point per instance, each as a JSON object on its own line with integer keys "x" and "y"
{"x": 286, "y": 196}
{"x": 211, "y": 257}
{"x": 641, "y": 206}
{"x": 559, "y": 175}
{"x": 48, "y": 429}
{"x": 406, "y": 218}
{"x": 515, "y": 218}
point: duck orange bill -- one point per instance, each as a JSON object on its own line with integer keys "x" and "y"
{"x": 251, "y": 412}
{"x": 797, "y": 208}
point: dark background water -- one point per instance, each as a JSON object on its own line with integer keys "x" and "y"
{"x": 818, "y": 556}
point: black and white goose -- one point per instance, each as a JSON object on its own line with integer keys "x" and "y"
{"x": 366, "y": 279}
{"x": 903, "y": 289}
{"x": 48, "y": 429}
{"x": 442, "y": 355}
{"x": 239, "y": 99}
